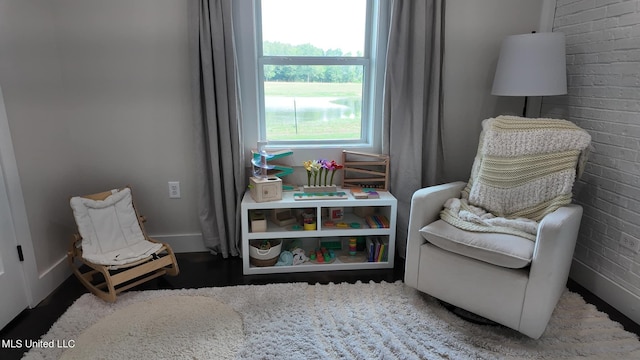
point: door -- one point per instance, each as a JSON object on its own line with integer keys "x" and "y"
{"x": 13, "y": 296}
{"x": 13, "y": 288}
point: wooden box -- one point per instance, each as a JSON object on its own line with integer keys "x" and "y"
{"x": 265, "y": 189}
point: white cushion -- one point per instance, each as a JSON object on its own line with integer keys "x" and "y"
{"x": 111, "y": 234}
{"x": 499, "y": 249}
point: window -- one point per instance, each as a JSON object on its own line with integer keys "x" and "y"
{"x": 311, "y": 72}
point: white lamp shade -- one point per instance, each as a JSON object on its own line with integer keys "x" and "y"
{"x": 531, "y": 65}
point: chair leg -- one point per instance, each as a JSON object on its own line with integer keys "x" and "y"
{"x": 87, "y": 280}
{"x": 173, "y": 270}
{"x": 114, "y": 284}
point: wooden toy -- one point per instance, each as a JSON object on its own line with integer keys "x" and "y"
{"x": 321, "y": 196}
{"x": 364, "y": 169}
{"x": 282, "y": 217}
{"x": 265, "y": 189}
{"x": 258, "y": 221}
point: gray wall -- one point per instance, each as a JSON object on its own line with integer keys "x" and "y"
{"x": 473, "y": 34}
{"x": 603, "y": 64}
{"x": 97, "y": 95}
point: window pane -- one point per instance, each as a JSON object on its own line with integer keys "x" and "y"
{"x": 313, "y": 28}
{"x": 296, "y": 109}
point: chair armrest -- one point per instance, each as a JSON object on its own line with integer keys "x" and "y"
{"x": 426, "y": 205}
{"x": 552, "y": 257}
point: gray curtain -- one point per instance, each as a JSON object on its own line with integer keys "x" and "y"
{"x": 221, "y": 172}
{"x": 412, "y": 103}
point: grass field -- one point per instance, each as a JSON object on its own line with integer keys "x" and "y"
{"x": 300, "y": 114}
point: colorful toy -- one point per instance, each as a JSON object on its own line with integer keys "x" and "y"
{"x": 352, "y": 246}
{"x": 339, "y": 195}
{"x": 262, "y": 170}
{"x": 309, "y": 220}
{"x": 323, "y": 255}
{"x": 336, "y": 213}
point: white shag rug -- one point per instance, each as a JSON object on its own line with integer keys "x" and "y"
{"x": 301, "y": 321}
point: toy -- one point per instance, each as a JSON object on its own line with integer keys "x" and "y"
{"x": 323, "y": 256}
{"x": 299, "y": 256}
{"x": 364, "y": 168}
{"x": 265, "y": 189}
{"x": 258, "y": 221}
{"x": 282, "y": 217}
{"x": 352, "y": 246}
{"x": 285, "y": 259}
{"x": 336, "y": 213}
{"x": 330, "y": 243}
{"x": 309, "y": 219}
{"x": 260, "y": 167}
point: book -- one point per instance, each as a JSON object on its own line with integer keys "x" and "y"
{"x": 384, "y": 250}
{"x": 377, "y": 249}
{"x": 376, "y": 255}
{"x": 370, "y": 249}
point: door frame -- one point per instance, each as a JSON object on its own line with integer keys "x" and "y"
{"x": 17, "y": 207}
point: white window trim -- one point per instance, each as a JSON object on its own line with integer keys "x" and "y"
{"x": 246, "y": 49}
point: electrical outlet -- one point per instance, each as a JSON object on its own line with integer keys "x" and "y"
{"x": 174, "y": 189}
{"x": 630, "y": 242}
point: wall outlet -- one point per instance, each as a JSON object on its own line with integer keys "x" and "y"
{"x": 630, "y": 242}
{"x": 174, "y": 189}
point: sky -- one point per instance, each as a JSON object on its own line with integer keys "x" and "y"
{"x": 327, "y": 24}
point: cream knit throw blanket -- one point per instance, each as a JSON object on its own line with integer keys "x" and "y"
{"x": 524, "y": 169}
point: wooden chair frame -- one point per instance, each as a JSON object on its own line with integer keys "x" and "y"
{"x": 114, "y": 281}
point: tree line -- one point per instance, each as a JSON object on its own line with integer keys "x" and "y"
{"x": 308, "y": 73}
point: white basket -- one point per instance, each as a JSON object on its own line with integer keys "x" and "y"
{"x": 264, "y": 257}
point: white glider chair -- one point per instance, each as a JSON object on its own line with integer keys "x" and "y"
{"x": 112, "y": 252}
{"x": 503, "y": 277}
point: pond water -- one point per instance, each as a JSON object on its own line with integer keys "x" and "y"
{"x": 313, "y": 118}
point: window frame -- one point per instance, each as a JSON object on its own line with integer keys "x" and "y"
{"x": 247, "y": 31}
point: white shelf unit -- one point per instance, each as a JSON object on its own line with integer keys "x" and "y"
{"x": 386, "y": 205}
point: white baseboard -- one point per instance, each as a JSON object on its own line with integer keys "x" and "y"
{"x": 52, "y": 277}
{"x": 606, "y": 289}
{"x": 49, "y": 280}
{"x": 183, "y": 243}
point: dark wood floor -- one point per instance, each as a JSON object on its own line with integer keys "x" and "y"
{"x": 199, "y": 270}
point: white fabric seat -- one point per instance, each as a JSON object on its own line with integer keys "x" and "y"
{"x": 111, "y": 234}
{"x": 506, "y": 250}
